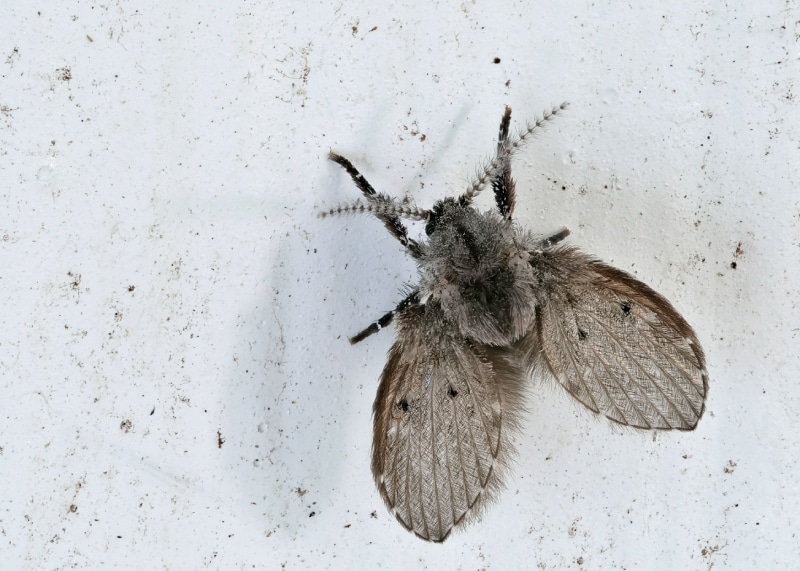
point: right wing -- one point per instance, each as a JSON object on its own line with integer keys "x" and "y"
{"x": 617, "y": 346}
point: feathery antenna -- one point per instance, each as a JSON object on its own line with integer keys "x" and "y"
{"x": 505, "y": 153}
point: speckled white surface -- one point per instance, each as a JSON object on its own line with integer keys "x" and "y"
{"x": 177, "y": 389}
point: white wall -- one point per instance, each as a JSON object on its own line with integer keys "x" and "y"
{"x": 167, "y": 285}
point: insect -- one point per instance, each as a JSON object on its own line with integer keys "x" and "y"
{"x": 495, "y": 306}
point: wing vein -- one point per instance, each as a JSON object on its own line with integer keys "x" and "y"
{"x": 611, "y": 399}
{"x": 615, "y": 378}
{"x": 461, "y": 464}
{"x": 421, "y": 489}
{"x": 483, "y": 479}
{"x": 632, "y": 359}
{"x": 433, "y": 456}
{"x": 573, "y": 359}
{"x": 678, "y": 366}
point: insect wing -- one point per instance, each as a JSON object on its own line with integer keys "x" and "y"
{"x": 442, "y": 414}
{"x": 617, "y": 346}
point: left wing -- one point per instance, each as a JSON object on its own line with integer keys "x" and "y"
{"x": 442, "y": 416}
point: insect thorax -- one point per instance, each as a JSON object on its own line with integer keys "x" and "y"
{"x": 475, "y": 267}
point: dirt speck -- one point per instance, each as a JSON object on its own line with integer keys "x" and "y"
{"x": 738, "y": 253}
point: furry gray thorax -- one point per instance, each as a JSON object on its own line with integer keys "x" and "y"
{"x": 475, "y": 267}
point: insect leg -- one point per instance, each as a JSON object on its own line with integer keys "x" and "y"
{"x": 393, "y": 224}
{"x": 502, "y": 183}
{"x": 554, "y": 239}
{"x": 375, "y": 326}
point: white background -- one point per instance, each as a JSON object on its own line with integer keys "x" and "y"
{"x": 177, "y": 388}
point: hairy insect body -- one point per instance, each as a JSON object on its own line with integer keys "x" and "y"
{"x": 476, "y": 267}
{"x": 495, "y": 306}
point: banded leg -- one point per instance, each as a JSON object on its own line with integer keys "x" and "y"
{"x": 393, "y": 224}
{"x": 375, "y": 326}
{"x": 553, "y": 240}
{"x": 502, "y": 184}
